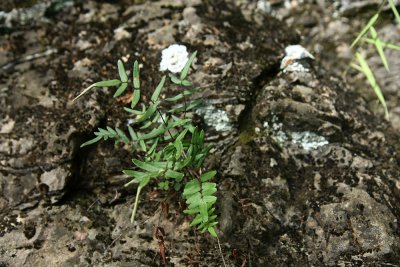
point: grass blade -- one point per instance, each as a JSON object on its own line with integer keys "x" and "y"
{"x": 371, "y": 79}
{"x": 379, "y": 47}
{"x": 365, "y": 30}
{"x": 391, "y": 46}
{"x": 385, "y": 44}
{"x": 395, "y": 12}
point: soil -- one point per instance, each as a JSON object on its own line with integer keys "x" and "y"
{"x": 307, "y": 168}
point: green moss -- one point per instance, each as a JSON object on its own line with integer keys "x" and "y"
{"x": 247, "y": 136}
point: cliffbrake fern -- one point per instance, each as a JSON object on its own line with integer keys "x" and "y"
{"x": 173, "y": 148}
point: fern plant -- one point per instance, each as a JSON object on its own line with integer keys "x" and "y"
{"x": 379, "y": 44}
{"x": 173, "y": 148}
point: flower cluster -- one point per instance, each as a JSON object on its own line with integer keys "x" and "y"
{"x": 296, "y": 59}
{"x": 174, "y": 58}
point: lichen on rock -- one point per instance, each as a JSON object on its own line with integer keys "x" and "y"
{"x": 215, "y": 118}
{"x": 316, "y": 184}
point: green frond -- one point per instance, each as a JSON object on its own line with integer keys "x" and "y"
{"x": 108, "y": 83}
{"x": 120, "y": 90}
{"x": 171, "y": 148}
{"x": 122, "y": 72}
{"x": 157, "y": 92}
{"x": 185, "y": 70}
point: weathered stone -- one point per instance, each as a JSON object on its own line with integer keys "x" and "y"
{"x": 349, "y": 226}
{"x": 56, "y": 181}
{"x": 307, "y": 174}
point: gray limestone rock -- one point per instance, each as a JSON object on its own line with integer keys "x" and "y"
{"x": 307, "y": 174}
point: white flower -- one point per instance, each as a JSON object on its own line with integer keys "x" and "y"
{"x": 296, "y": 59}
{"x": 174, "y": 58}
{"x": 297, "y": 52}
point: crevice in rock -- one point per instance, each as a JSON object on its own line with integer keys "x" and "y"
{"x": 78, "y": 162}
{"x": 267, "y": 75}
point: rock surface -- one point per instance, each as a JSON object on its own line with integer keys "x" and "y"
{"x": 327, "y": 30}
{"x": 308, "y": 175}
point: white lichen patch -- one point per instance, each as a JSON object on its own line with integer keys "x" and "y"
{"x": 215, "y": 118}
{"x": 276, "y": 131}
{"x": 24, "y": 16}
{"x": 296, "y": 59}
{"x": 308, "y": 140}
{"x": 174, "y": 58}
{"x": 264, "y": 6}
{"x": 6, "y": 125}
{"x": 16, "y": 146}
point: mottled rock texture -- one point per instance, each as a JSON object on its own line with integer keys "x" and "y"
{"x": 308, "y": 176}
